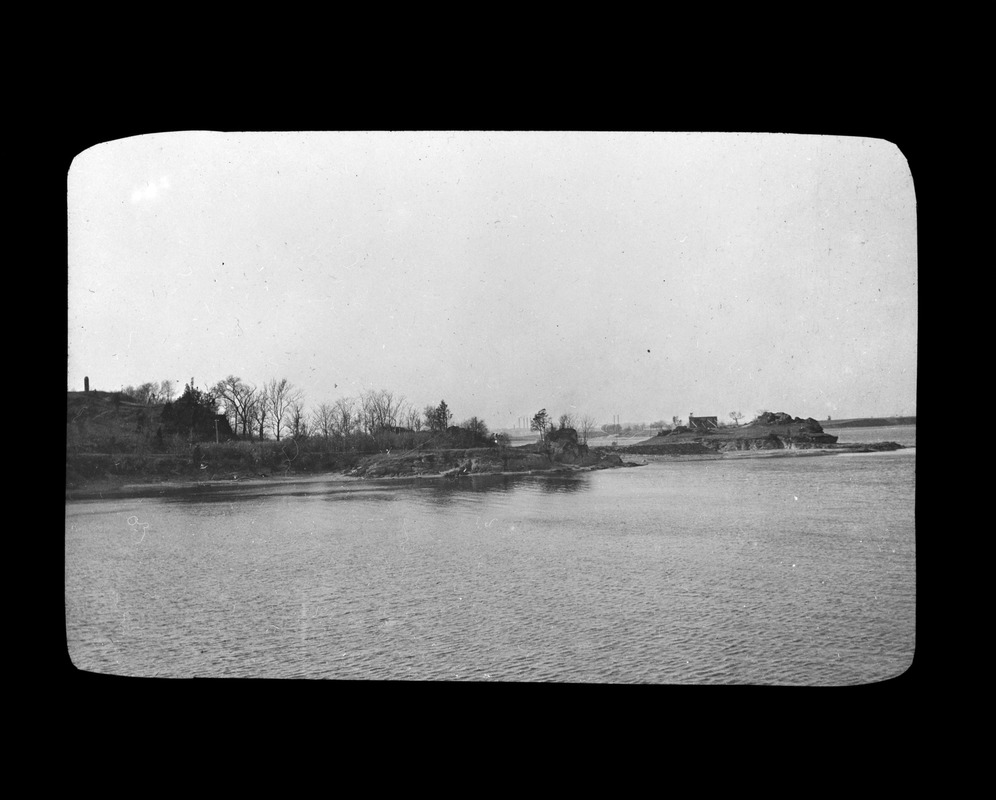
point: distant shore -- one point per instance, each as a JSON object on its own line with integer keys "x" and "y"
{"x": 115, "y": 488}
{"x": 120, "y": 487}
{"x": 868, "y": 422}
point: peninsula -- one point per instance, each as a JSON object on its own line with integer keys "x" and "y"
{"x": 769, "y": 432}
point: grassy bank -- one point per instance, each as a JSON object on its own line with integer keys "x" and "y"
{"x": 205, "y": 461}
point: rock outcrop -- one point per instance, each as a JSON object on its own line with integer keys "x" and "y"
{"x": 560, "y": 451}
{"x": 770, "y": 431}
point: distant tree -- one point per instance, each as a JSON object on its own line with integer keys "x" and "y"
{"x": 297, "y": 420}
{"x": 167, "y": 390}
{"x": 140, "y": 394}
{"x": 193, "y": 414}
{"x": 413, "y": 418}
{"x": 566, "y": 421}
{"x": 443, "y": 415}
{"x": 147, "y": 392}
{"x": 228, "y": 408}
{"x": 438, "y": 418}
{"x": 736, "y": 416}
{"x": 323, "y": 421}
{"x": 238, "y": 398}
{"x": 345, "y": 418}
{"x": 586, "y": 424}
{"x": 380, "y": 409}
{"x": 279, "y": 395}
{"x": 259, "y": 412}
{"x": 476, "y": 426}
{"x": 429, "y": 414}
{"x": 540, "y": 423}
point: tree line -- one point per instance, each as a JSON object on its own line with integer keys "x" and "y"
{"x": 544, "y": 424}
{"x": 275, "y": 409}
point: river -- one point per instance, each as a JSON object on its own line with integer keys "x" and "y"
{"x": 793, "y": 570}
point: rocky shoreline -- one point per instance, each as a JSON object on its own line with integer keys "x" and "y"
{"x": 769, "y": 432}
{"x": 754, "y": 446}
{"x": 560, "y": 451}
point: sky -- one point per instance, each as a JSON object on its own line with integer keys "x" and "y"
{"x": 637, "y": 276}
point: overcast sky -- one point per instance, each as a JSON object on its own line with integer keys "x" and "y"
{"x": 644, "y": 275}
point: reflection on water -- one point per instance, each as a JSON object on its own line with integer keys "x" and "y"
{"x": 783, "y": 571}
{"x": 439, "y": 490}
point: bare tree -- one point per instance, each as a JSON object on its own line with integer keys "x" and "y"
{"x": 345, "y": 418}
{"x": 167, "y": 390}
{"x": 380, "y": 409}
{"x": 413, "y": 418}
{"x": 297, "y": 420}
{"x": 736, "y": 416}
{"x": 368, "y": 411}
{"x": 259, "y": 412}
{"x": 279, "y": 397}
{"x": 586, "y": 424}
{"x": 566, "y": 421}
{"x": 323, "y": 421}
{"x": 147, "y": 392}
{"x": 140, "y": 394}
{"x": 237, "y": 397}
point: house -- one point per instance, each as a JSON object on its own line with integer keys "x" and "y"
{"x": 702, "y": 423}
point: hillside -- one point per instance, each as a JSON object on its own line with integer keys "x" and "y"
{"x": 110, "y": 438}
{"x": 109, "y": 422}
{"x": 99, "y": 421}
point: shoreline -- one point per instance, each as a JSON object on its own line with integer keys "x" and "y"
{"x": 113, "y": 489}
{"x": 110, "y": 489}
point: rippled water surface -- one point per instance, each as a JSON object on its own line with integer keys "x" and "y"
{"x": 793, "y": 570}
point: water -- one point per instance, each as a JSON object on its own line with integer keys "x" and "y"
{"x": 901, "y": 434}
{"x": 787, "y": 571}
